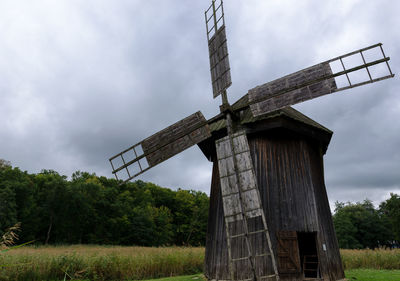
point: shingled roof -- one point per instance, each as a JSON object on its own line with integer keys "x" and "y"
{"x": 247, "y": 117}
{"x": 287, "y": 117}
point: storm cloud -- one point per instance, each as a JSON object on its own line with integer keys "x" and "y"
{"x": 82, "y": 80}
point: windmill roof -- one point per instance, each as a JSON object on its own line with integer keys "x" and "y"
{"x": 286, "y": 118}
{"x": 247, "y": 117}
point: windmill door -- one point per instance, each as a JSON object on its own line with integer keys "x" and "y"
{"x": 288, "y": 253}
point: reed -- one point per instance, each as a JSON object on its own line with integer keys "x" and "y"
{"x": 10, "y": 236}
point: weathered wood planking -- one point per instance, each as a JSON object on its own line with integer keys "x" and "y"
{"x": 288, "y": 252}
{"x": 289, "y": 173}
{"x": 247, "y": 235}
{"x": 219, "y": 62}
{"x": 330, "y": 262}
{"x": 175, "y": 138}
{"x": 216, "y": 256}
{"x": 232, "y": 181}
{"x": 270, "y": 100}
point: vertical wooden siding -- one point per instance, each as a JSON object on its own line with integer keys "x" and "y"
{"x": 289, "y": 172}
{"x": 216, "y": 259}
{"x": 331, "y": 262}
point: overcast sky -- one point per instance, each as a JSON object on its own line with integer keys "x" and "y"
{"x": 81, "y": 80}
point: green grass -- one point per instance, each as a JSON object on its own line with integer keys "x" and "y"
{"x": 196, "y": 277}
{"x": 351, "y": 275}
{"x": 372, "y": 275}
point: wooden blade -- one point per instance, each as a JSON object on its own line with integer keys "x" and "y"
{"x": 161, "y": 146}
{"x": 313, "y": 82}
{"x": 275, "y": 95}
{"x": 218, "y": 49}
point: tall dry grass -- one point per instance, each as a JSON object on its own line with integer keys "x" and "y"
{"x": 135, "y": 263}
{"x": 99, "y": 262}
{"x": 371, "y": 259}
{"x": 10, "y": 236}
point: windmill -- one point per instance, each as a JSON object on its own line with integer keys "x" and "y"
{"x": 254, "y": 250}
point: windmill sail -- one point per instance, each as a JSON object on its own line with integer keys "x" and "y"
{"x": 313, "y": 82}
{"x": 161, "y": 146}
{"x": 245, "y": 221}
{"x": 218, "y": 49}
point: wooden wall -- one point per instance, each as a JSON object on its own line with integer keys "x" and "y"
{"x": 289, "y": 171}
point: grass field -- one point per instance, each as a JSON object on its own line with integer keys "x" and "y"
{"x": 353, "y": 274}
{"x": 99, "y": 263}
{"x": 78, "y": 262}
{"x": 195, "y": 277}
{"x": 371, "y": 259}
{"x": 372, "y": 275}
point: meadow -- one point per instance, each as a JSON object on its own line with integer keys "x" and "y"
{"x": 99, "y": 262}
{"x": 371, "y": 259}
{"x": 79, "y": 262}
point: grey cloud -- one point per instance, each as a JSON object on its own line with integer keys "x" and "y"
{"x": 81, "y": 81}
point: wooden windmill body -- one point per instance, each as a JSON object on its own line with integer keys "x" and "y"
{"x": 287, "y": 151}
{"x": 269, "y": 214}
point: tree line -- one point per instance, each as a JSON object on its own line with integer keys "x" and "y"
{"x": 361, "y": 225}
{"x": 89, "y": 209}
{"x": 97, "y": 210}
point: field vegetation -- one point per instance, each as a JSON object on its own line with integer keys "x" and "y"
{"x": 372, "y": 275}
{"x": 99, "y": 262}
{"x": 51, "y": 209}
{"x": 194, "y": 277}
{"x": 138, "y": 263}
{"x": 371, "y": 259}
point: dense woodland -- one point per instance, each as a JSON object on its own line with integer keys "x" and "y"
{"x": 96, "y": 210}
{"x": 89, "y": 209}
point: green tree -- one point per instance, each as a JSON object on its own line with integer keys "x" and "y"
{"x": 163, "y": 232}
{"x": 391, "y": 209}
{"x": 360, "y": 225}
{"x": 16, "y": 199}
{"x": 190, "y": 217}
{"x": 51, "y": 195}
{"x": 162, "y": 196}
{"x": 8, "y": 208}
{"x": 92, "y": 209}
{"x": 84, "y": 191}
{"x": 4, "y": 164}
{"x": 197, "y": 235}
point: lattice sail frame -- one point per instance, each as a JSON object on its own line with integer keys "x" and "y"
{"x": 242, "y": 207}
{"x": 161, "y": 146}
{"x": 312, "y": 82}
{"x": 235, "y": 182}
{"x": 218, "y": 49}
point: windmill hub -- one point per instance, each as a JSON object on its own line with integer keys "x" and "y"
{"x": 226, "y": 108}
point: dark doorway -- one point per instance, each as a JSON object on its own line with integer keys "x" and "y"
{"x": 308, "y": 254}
